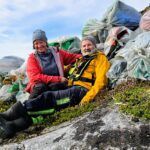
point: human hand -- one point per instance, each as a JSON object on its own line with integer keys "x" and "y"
{"x": 85, "y": 101}
{"x": 63, "y": 79}
{"x": 82, "y": 103}
{"x": 67, "y": 68}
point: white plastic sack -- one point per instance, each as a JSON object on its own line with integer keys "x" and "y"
{"x": 127, "y": 52}
{"x": 96, "y": 28}
{"x": 114, "y": 36}
{"x": 133, "y": 47}
{"x": 139, "y": 65}
{"x": 135, "y": 33}
{"x": 4, "y": 94}
{"x": 118, "y": 66}
{"x": 20, "y": 70}
{"x": 22, "y": 96}
{"x": 120, "y": 14}
{"x": 21, "y": 73}
{"x": 117, "y": 72}
{"x": 137, "y": 55}
{"x": 142, "y": 40}
{"x": 92, "y": 27}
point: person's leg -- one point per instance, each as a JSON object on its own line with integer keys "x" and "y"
{"x": 41, "y": 102}
{"x": 57, "y": 86}
{"x": 69, "y": 97}
{"x": 14, "y": 112}
{"x": 56, "y": 99}
{"x": 51, "y": 99}
{"x": 42, "y": 87}
{"x": 37, "y": 90}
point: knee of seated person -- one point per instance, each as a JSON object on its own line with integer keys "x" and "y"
{"x": 37, "y": 90}
{"x": 78, "y": 90}
{"x": 40, "y": 86}
{"x": 79, "y": 93}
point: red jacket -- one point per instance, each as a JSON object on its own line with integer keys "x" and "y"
{"x": 34, "y": 70}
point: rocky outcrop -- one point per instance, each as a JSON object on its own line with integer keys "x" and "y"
{"x": 101, "y": 129}
{"x": 8, "y": 63}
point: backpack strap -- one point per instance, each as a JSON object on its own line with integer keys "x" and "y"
{"x": 79, "y": 69}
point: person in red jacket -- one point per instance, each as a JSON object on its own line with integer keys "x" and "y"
{"x": 46, "y": 65}
{"x": 86, "y": 78}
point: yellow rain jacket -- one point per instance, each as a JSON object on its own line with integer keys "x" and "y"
{"x": 97, "y": 68}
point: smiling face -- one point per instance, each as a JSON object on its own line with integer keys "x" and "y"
{"x": 40, "y": 46}
{"x": 87, "y": 47}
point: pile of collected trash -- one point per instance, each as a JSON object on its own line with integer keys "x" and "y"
{"x": 123, "y": 34}
{"x": 70, "y": 44}
{"x": 14, "y": 80}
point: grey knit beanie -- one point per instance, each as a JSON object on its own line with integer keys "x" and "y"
{"x": 90, "y": 38}
{"x": 39, "y": 35}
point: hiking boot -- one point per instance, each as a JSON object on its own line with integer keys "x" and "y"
{"x": 5, "y": 130}
{"x": 20, "y": 124}
{"x": 14, "y": 112}
{"x": 9, "y": 128}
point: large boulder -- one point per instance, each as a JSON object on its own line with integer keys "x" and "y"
{"x": 101, "y": 129}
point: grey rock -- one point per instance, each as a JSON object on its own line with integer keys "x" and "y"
{"x": 102, "y": 129}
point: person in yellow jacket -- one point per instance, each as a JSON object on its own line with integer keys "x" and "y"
{"x": 93, "y": 76}
{"x": 87, "y": 77}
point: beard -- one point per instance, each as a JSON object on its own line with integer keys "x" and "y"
{"x": 88, "y": 52}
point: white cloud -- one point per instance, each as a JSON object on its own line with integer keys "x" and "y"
{"x": 20, "y": 17}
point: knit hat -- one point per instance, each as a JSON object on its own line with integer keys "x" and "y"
{"x": 90, "y": 38}
{"x": 39, "y": 35}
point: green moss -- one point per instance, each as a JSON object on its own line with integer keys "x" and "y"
{"x": 68, "y": 113}
{"x": 4, "y": 105}
{"x": 134, "y": 101}
{"x": 133, "y": 98}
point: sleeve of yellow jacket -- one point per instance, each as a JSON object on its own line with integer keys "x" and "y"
{"x": 102, "y": 66}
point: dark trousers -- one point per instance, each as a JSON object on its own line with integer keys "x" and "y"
{"x": 51, "y": 99}
{"x": 39, "y": 88}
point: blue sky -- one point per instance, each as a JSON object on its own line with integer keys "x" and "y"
{"x": 58, "y": 18}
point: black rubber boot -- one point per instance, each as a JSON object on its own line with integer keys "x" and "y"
{"x": 5, "y": 130}
{"x": 14, "y": 112}
{"x": 9, "y": 128}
